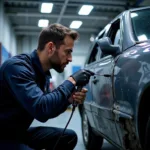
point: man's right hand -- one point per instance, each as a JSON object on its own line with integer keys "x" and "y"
{"x": 82, "y": 77}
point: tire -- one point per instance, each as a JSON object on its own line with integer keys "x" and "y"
{"x": 147, "y": 136}
{"x": 91, "y": 141}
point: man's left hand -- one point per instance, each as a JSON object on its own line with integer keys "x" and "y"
{"x": 79, "y": 97}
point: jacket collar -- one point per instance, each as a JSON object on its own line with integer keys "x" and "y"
{"x": 37, "y": 65}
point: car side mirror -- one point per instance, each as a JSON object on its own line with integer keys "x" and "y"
{"x": 107, "y": 47}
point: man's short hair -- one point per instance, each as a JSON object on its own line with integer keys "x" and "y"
{"x": 56, "y": 34}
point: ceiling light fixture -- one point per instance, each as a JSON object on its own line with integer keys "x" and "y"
{"x": 75, "y": 24}
{"x": 46, "y": 7}
{"x": 85, "y": 10}
{"x": 43, "y": 23}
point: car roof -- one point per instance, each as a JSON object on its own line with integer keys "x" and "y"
{"x": 118, "y": 16}
{"x": 140, "y": 8}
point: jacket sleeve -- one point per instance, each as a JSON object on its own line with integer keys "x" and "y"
{"x": 41, "y": 106}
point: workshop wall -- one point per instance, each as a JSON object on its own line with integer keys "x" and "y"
{"x": 7, "y": 35}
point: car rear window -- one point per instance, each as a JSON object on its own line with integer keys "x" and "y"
{"x": 141, "y": 24}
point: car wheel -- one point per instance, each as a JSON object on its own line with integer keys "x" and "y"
{"x": 147, "y": 136}
{"x": 91, "y": 141}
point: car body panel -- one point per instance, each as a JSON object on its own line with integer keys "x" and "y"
{"x": 102, "y": 104}
{"x": 89, "y": 98}
{"x": 113, "y": 102}
{"x": 131, "y": 70}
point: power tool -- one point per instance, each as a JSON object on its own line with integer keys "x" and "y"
{"x": 75, "y": 104}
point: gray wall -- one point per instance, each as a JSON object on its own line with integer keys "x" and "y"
{"x": 7, "y": 35}
{"x": 26, "y": 44}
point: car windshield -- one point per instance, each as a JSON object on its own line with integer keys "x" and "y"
{"x": 141, "y": 24}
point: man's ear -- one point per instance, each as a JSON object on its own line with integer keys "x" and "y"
{"x": 51, "y": 48}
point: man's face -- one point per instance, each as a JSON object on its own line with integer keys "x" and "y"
{"x": 63, "y": 55}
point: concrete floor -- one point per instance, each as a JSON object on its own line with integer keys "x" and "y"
{"x": 74, "y": 124}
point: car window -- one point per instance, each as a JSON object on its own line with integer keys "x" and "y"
{"x": 141, "y": 24}
{"x": 101, "y": 55}
{"x": 95, "y": 54}
{"x": 101, "y": 35}
{"x": 117, "y": 38}
{"x": 114, "y": 33}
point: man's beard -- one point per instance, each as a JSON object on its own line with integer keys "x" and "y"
{"x": 55, "y": 63}
{"x": 57, "y": 67}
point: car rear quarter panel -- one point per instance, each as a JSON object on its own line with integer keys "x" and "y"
{"x": 131, "y": 78}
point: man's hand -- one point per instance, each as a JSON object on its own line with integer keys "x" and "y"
{"x": 78, "y": 97}
{"x": 81, "y": 77}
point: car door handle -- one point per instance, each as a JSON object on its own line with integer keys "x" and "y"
{"x": 95, "y": 80}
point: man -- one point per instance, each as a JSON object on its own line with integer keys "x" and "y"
{"x": 25, "y": 93}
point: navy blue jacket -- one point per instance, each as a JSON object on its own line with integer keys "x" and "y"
{"x": 25, "y": 93}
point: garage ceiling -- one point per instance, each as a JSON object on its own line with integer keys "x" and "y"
{"x": 24, "y": 14}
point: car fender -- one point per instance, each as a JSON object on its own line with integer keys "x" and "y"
{"x": 131, "y": 78}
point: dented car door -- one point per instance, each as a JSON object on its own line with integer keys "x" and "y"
{"x": 103, "y": 101}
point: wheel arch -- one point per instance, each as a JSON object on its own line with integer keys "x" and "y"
{"x": 143, "y": 114}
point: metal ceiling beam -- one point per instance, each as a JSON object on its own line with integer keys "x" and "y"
{"x": 29, "y": 2}
{"x": 62, "y": 11}
{"x": 77, "y": 2}
{"x": 25, "y": 27}
{"x": 39, "y": 29}
{"x": 36, "y": 28}
{"x": 101, "y": 2}
{"x": 84, "y": 30}
{"x": 97, "y": 4}
{"x": 39, "y": 15}
{"x": 100, "y": 7}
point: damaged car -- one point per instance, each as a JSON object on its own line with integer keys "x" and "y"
{"x": 117, "y": 103}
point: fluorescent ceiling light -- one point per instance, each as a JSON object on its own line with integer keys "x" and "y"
{"x": 46, "y": 7}
{"x": 43, "y": 23}
{"x": 75, "y": 24}
{"x": 85, "y": 10}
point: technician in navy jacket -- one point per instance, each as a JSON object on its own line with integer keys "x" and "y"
{"x": 25, "y": 93}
